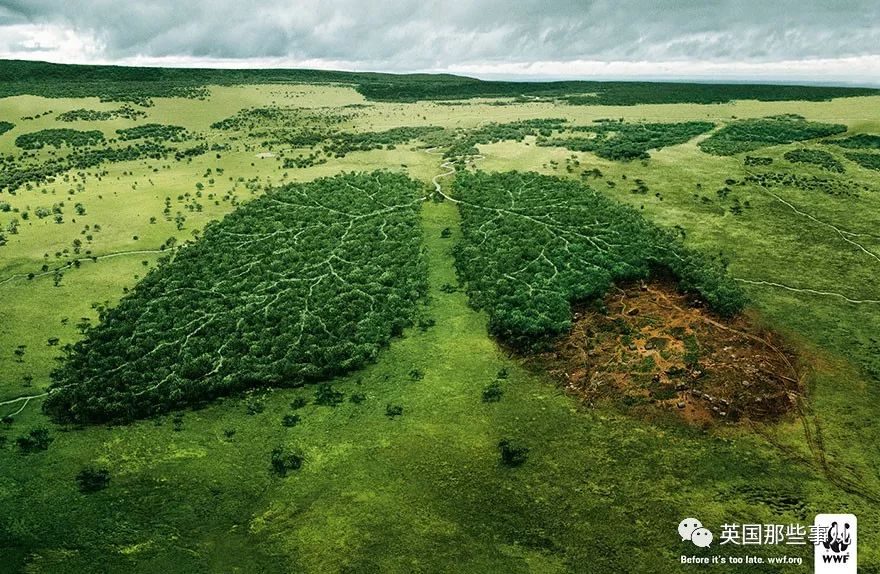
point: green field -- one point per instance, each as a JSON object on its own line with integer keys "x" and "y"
{"x": 401, "y": 468}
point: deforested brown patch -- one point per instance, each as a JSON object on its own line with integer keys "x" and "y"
{"x": 655, "y": 348}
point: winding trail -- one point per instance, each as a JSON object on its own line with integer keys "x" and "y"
{"x": 26, "y": 400}
{"x": 805, "y": 290}
{"x": 842, "y": 233}
{"x": 450, "y": 166}
{"x": 845, "y": 235}
{"x": 73, "y": 262}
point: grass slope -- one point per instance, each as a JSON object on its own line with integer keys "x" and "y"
{"x": 600, "y": 491}
{"x": 422, "y": 492}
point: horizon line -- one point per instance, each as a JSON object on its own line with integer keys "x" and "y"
{"x": 220, "y": 64}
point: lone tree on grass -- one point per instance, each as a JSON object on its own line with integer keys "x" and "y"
{"x": 284, "y": 460}
{"x": 512, "y": 454}
{"x": 92, "y": 479}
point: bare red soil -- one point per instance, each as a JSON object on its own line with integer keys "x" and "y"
{"x": 655, "y": 348}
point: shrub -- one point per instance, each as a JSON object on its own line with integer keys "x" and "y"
{"x": 255, "y": 407}
{"x": 290, "y": 420}
{"x": 35, "y": 440}
{"x": 326, "y": 395}
{"x": 512, "y": 454}
{"x": 493, "y": 392}
{"x": 866, "y": 160}
{"x": 858, "y": 141}
{"x": 816, "y": 157}
{"x": 92, "y": 479}
{"x": 153, "y": 131}
{"x": 283, "y": 460}
{"x": 757, "y": 161}
{"x": 85, "y": 115}
{"x": 58, "y": 138}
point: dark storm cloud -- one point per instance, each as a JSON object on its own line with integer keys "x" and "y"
{"x": 408, "y": 34}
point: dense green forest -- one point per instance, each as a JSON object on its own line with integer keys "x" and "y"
{"x": 58, "y": 138}
{"x": 594, "y": 93}
{"x": 153, "y": 131}
{"x": 5, "y": 127}
{"x": 816, "y": 157}
{"x": 857, "y": 141}
{"x": 85, "y": 115}
{"x": 749, "y": 135}
{"x": 627, "y": 141}
{"x": 306, "y": 282}
{"x": 866, "y": 160}
{"x": 139, "y": 85}
{"x": 341, "y": 144}
{"x": 461, "y": 143}
{"x": 533, "y": 244}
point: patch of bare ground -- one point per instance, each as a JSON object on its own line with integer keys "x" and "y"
{"x": 652, "y": 347}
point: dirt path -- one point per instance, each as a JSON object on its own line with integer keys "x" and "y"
{"x": 450, "y": 167}
{"x": 25, "y": 400}
{"x": 805, "y": 290}
{"x": 845, "y": 235}
{"x": 842, "y": 233}
{"x": 73, "y": 262}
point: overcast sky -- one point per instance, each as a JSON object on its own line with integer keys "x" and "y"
{"x": 803, "y": 40}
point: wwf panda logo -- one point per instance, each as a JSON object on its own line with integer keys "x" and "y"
{"x": 836, "y": 539}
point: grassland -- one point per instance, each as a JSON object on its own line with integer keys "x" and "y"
{"x": 602, "y": 490}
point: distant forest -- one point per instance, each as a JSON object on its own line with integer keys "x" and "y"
{"x": 139, "y": 85}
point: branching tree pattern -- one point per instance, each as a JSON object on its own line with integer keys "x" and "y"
{"x": 533, "y": 244}
{"x": 304, "y": 283}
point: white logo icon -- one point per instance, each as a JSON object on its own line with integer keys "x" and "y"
{"x": 687, "y": 526}
{"x": 692, "y": 529}
{"x": 835, "y": 540}
{"x": 702, "y": 537}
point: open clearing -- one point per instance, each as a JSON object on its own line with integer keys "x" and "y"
{"x": 651, "y": 346}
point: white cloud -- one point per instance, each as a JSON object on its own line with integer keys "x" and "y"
{"x": 48, "y": 42}
{"x": 803, "y": 40}
{"x": 859, "y": 70}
